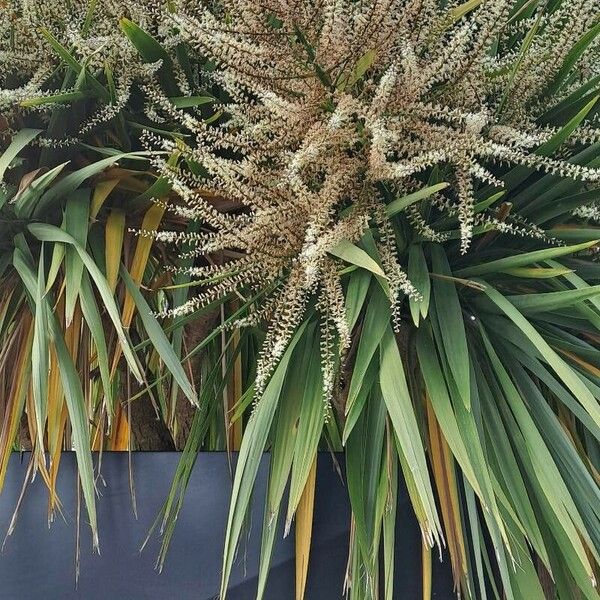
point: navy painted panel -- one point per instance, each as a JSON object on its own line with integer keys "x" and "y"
{"x": 38, "y": 562}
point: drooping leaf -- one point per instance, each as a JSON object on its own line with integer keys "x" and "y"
{"x": 73, "y": 394}
{"x": 50, "y": 233}
{"x": 159, "y": 339}
{"x": 76, "y": 223}
{"x": 397, "y": 399}
{"x": 18, "y": 142}
{"x": 253, "y": 445}
{"x": 39, "y": 355}
{"x": 448, "y": 313}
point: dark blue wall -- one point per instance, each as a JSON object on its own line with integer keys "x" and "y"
{"x": 38, "y": 563}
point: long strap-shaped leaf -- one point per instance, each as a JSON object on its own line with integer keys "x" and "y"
{"x": 556, "y": 492}
{"x": 282, "y": 455}
{"x": 304, "y": 525}
{"x": 522, "y": 260}
{"x": 91, "y": 314}
{"x": 76, "y": 223}
{"x": 402, "y": 415}
{"x": 73, "y": 180}
{"x": 451, "y": 325}
{"x": 159, "y": 339}
{"x": 253, "y": 445}
{"x": 548, "y": 301}
{"x": 310, "y": 428}
{"x": 562, "y": 369}
{"x": 39, "y": 356}
{"x": 73, "y": 395}
{"x": 50, "y": 233}
{"x": 19, "y": 141}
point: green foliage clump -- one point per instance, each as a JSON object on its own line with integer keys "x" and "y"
{"x": 395, "y": 206}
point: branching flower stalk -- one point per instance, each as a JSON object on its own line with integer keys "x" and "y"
{"x": 336, "y": 107}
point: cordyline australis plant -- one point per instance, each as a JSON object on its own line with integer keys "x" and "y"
{"x": 395, "y": 205}
{"x": 412, "y": 185}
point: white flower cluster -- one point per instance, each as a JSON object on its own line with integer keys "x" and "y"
{"x": 331, "y": 101}
{"x": 328, "y": 108}
{"x": 90, "y": 32}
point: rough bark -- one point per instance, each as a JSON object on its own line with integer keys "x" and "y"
{"x": 148, "y": 431}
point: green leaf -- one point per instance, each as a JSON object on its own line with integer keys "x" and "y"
{"x": 74, "y": 180}
{"x": 418, "y": 273}
{"x": 460, "y": 430}
{"x": 39, "y": 356}
{"x": 440, "y": 401}
{"x": 269, "y": 529}
{"x": 448, "y": 312}
{"x": 563, "y": 134}
{"x": 549, "y": 301}
{"x": 377, "y": 319}
{"x": 536, "y": 272}
{"x": 58, "y": 254}
{"x": 526, "y": 44}
{"x": 461, "y": 10}
{"x": 363, "y": 64}
{"x": 356, "y": 256}
{"x": 402, "y": 415}
{"x": 26, "y": 199}
{"x": 576, "y": 234}
{"x": 522, "y": 260}
{"x": 364, "y": 455}
{"x": 543, "y": 467}
{"x": 572, "y": 57}
{"x": 286, "y": 428}
{"x": 74, "y": 397}
{"x": 151, "y": 51}
{"x": 70, "y": 61}
{"x": 159, "y": 339}
{"x": 564, "y": 206}
{"x": 49, "y": 233}
{"x": 191, "y": 101}
{"x": 62, "y": 52}
{"x": 310, "y": 427}
{"x": 398, "y": 205}
{"x": 77, "y": 214}
{"x": 62, "y": 98}
{"x": 356, "y": 408}
{"x": 561, "y": 368}
{"x": 18, "y": 142}
{"x": 251, "y": 451}
{"x": 573, "y": 101}
{"x": 92, "y": 317}
{"x": 356, "y": 295}
{"x": 520, "y": 173}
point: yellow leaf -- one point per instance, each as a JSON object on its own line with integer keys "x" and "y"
{"x": 18, "y": 391}
{"x": 114, "y": 232}
{"x": 444, "y": 475}
{"x": 426, "y": 569}
{"x": 151, "y": 221}
{"x": 304, "y": 523}
{"x": 120, "y": 434}
{"x": 101, "y": 193}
